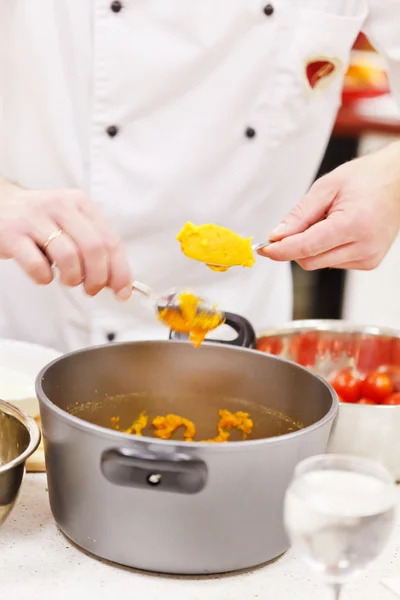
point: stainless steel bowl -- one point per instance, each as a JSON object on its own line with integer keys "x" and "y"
{"x": 19, "y": 438}
{"x": 328, "y": 345}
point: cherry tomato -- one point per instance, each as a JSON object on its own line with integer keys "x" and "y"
{"x": 394, "y": 373}
{"x": 348, "y": 385}
{"x": 271, "y": 345}
{"x": 377, "y": 386}
{"x": 263, "y": 345}
{"x": 393, "y": 399}
{"x": 366, "y": 401}
{"x": 307, "y": 349}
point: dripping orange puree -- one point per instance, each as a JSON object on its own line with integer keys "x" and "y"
{"x": 218, "y": 247}
{"x": 191, "y": 318}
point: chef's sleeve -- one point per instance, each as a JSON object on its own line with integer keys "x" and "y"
{"x": 382, "y": 27}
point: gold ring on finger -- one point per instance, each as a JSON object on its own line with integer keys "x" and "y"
{"x": 52, "y": 237}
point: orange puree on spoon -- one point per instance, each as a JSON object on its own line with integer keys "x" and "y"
{"x": 192, "y": 318}
{"x": 218, "y": 247}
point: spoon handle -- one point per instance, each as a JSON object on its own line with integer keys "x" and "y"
{"x": 138, "y": 286}
{"x": 260, "y": 246}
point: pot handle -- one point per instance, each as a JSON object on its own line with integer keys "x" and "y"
{"x": 246, "y": 337}
{"x": 180, "y": 474}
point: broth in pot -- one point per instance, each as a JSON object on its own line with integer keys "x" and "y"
{"x": 121, "y": 412}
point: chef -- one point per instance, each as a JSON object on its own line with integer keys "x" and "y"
{"x": 121, "y": 120}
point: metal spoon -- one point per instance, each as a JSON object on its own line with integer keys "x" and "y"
{"x": 170, "y": 300}
{"x": 254, "y": 247}
{"x": 260, "y": 246}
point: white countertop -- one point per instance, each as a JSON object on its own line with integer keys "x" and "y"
{"x": 37, "y": 562}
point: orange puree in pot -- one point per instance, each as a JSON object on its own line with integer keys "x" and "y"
{"x": 227, "y": 421}
{"x": 191, "y": 319}
{"x": 138, "y": 424}
{"x": 218, "y": 247}
{"x": 165, "y": 427}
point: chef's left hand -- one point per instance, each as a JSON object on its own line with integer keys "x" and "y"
{"x": 348, "y": 219}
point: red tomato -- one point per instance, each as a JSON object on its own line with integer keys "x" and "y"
{"x": 366, "y": 401}
{"x": 377, "y": 386}
{"x": 263, "y": 345}
{"x": 394, "y": 373}
{"x": 271, "y": 345}
{"x": 393, "y": 399}
{"x": 347, "y": 385}
{"x": 307, "y": 349}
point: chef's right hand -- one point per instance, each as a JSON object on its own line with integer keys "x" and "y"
{"x": 88, "y": 250}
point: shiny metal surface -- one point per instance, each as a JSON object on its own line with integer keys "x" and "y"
{"x": 19, "y": 438}
{"x": 330, "y": 325}
{"x": 171, "y": 506}
{"x": 170, "y": 299}
{"x": 259, "y": 246}
{"x": 328, "y": 345}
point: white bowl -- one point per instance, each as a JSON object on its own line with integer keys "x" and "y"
{"x": 368, "y": 431}
{"x": 20, "y": 362}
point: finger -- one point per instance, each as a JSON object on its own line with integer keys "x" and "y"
{"x": 61, "y": 250}
{"x": 360, "y": 265}
{"x": 90, "y": 244}
{"x": 121, "y": 278}
{"x": 321, "y": 237}
{"x": 331, "y": 259}
{"x": 311, "y": 209}
{"x": 26, "y": 253}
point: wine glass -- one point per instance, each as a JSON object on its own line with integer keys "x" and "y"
{"x": 339, "y": 513}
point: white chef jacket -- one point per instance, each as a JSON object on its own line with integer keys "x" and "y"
{"x": 215, "y": 121}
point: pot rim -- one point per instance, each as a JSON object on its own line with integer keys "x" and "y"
{"x": 333, "y": 325}
{"x": 123, "y": 437}
{"x": 33, "y": 430}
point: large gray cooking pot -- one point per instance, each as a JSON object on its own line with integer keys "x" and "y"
{"x": 173, "y": 506}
